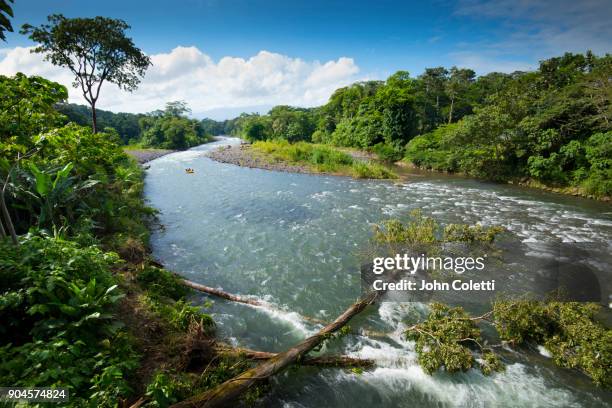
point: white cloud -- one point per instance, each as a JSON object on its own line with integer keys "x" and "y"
{"x": 186, "y": 73}
{"x": 532, "y": 30}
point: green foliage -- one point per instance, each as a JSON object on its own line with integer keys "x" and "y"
{"x": 94, "y": 50}
{"x": 26, "y": 109}
{"x": 5, "y": 12}
{"x": 388, "y": 153}
{"x": 256, "y": 128}
{"x": 73, "y": 189}
{"x": 523, "y": 126}
{"x": 165, "y": 389}
{"x": 126, "y": 124}
{"x": 490, "y": 363}
{"x": 442, "y": 341}
{"x": 171, "y": 128}
{"x": 169, "y": 387}
{"x": 321, "y": 158}
{"x": 568, "y": 330}
{"x": 419, "y": 229}
{"x": 598, "y": 153}
{"x": 551, "y": 126}
{"x": 470, "y": 233}
{"x": 161, "y": 282}
{"x": 179, "y": 314}
{"x": 78, "y": 181}
{"x": 360, "y": 131}
{"x": 58, "y": 328}
{"x": 425, "y": 230}
{"x": 371, "y": 171}
{"x": 50, "y": 191}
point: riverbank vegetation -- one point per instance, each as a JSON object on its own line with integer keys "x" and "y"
{"x": 85, "y": 308}
{"x": 548, "y": 128}
{"x": 321, "y": 159}
{"x": 73, "y": 244}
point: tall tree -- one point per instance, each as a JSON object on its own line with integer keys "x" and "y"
{"x": 94, "y": 49}
{"x": 458, "y": 83}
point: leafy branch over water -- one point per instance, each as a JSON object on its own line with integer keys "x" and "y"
{"x": 450, "y": 338}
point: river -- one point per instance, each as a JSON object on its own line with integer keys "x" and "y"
{"x": 294, "y": 239}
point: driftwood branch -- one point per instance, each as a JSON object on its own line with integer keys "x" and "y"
{"x": 229, "y": 391}
{"x": 320, "y": 361}
{"x": 236, "y": 298}
{"x": 220, "y": 293}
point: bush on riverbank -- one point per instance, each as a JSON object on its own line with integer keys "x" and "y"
{"x": 321, "y": 158}
{"x": 59, "y": 329}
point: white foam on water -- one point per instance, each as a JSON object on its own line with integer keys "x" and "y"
{"x": 397, "y": 371}
{"x": 293, "y": 319}
{"x": 514, "y": 387}
{"x": 322, "y": 195}
{"x": 543, "y": 351}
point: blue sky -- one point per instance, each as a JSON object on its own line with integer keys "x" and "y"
{"x": 379, "y": 37}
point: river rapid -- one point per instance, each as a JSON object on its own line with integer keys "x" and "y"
{"x": 294, "y": 241}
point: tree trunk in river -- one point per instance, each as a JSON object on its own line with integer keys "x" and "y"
{"x": 234, "y": 298}
{"x": 223, "y": 394}
{"x": 321, "y": 361}
{"x": 220, "y": 293}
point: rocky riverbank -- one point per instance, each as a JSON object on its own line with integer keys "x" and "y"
{"x": 244, "y": 155}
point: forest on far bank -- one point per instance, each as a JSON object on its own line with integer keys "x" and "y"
{"x": 551, "y": 126}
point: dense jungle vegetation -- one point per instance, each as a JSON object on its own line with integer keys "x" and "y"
{"x": 169, "y": 128}
{"x": 550, "y": 126}
{"x": 81, "y": 305}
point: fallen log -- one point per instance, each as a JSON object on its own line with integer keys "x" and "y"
{"x": 320, "y": 361}
{"x": 220, "y": 293}
{"x": 223, "y": 394}
{"x": 236, "y": 298}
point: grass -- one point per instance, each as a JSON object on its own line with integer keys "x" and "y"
{"x": 321, "y": 159}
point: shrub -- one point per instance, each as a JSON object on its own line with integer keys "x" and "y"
{"x": 321, "y": 158}
{"x": 57, "y": 313}
{"x": 161, "y": 282}
{"x": 371, "y": 171}
{"x": 388, "y": 153}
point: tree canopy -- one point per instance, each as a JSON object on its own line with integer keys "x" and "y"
{"x": 95, "y": 50}
{"x": 6, "y": 11}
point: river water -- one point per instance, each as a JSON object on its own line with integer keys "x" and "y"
{"x": 294, "y": 241}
